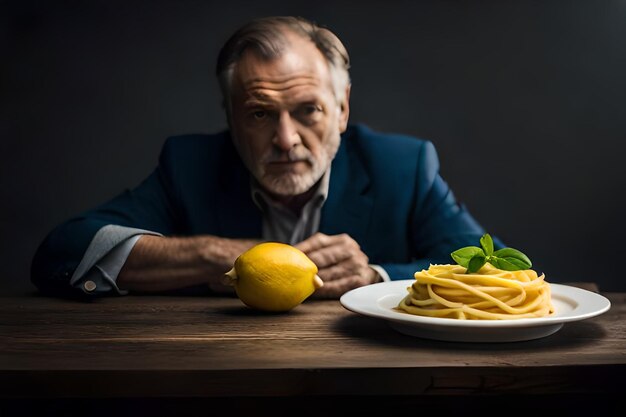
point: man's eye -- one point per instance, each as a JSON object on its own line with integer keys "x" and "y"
{"x": 259, "y": 114}
{"x": 310, "y": 111}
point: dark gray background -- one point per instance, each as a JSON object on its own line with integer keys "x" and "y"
{"x": 525, "y": 101}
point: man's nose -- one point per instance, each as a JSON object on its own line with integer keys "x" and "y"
{"x": 286, "y": 133}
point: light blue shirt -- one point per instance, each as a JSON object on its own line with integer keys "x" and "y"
{"x": 98, "y": 270}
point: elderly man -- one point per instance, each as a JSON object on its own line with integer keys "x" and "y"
{"x": 364, "y": 206}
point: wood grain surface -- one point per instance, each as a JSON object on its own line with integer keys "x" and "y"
{"x": 214, "y": 347}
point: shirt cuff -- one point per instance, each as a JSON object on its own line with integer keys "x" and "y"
{"x": 97, "y": 273}
{"x": 102, "y": 278}
{"x": 381, "y": 271}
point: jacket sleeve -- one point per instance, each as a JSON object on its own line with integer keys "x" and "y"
{"x": 439, "y": 224}
{"x": 97, "y": 272}
{"x": 150, "y": 206}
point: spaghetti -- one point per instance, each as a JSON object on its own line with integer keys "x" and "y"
{"x": 488, "y": 294}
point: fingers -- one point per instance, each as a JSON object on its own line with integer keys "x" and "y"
{"x": 341, "y": 263}
{"x": 325, "y": 250}
{"x": 317, "y": 241}
{"x": 352, "y": 265}
{"x": 335, "y": 289}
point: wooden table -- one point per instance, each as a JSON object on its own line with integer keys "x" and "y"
{"x": 157, "y": 355}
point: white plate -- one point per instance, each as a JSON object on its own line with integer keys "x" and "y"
{"x": 379, "y": 300}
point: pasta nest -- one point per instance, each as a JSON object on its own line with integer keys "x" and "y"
{"x": 447, "y": 291}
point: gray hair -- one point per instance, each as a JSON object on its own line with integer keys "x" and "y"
{"x": 266, "y": 36}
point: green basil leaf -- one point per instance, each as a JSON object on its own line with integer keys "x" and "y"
{"x": 515, "y": 254}
{"x": 462, "y": 256}
{"x": 476, "y": 263}
{"x": 487, "y": 243}
{"x": 502, "y": 264}
{"x": 518, "y": 262}
{"x": 508, "y": 264}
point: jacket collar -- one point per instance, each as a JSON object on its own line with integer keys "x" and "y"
{"x": 238, "y": 215}
{"x": 347, "y": 208}
{"x": 349, "y": 205}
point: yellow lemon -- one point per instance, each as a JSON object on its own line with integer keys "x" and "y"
{"x": 273, "y": 276}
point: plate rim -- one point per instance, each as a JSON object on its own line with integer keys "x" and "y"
{"x": 599, "y": 306}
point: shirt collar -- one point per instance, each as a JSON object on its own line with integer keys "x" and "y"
{"x": 262, "y": 199}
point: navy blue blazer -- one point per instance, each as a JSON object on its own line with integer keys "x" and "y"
{"x": 385, "y": 191}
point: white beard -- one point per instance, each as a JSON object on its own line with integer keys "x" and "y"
{"x": 290, "y": 184}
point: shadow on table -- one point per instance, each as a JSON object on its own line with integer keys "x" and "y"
{"x": 379, "y": 332}
{"x": 316, "y": 406}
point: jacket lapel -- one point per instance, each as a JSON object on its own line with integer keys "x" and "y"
{"x": 348, "y": 207}
{"x": 238, "y": 215}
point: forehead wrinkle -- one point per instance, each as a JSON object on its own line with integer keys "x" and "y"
{"x": 260, "y": 94}
{"x": 281, "y": 85}
{"x": 261, "y": 100}
{"x": 265, "y": 100}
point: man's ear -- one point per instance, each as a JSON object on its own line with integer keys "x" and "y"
{"x": 344, "y": 110}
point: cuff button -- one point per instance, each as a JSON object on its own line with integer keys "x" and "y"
{"x": 89, "y": 286}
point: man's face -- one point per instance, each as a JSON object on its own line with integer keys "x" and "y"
{"x": 285, "y": 119}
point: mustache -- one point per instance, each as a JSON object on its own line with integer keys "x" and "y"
{"x": 295, "y": 154}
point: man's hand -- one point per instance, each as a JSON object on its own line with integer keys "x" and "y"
{"x": 168, "y": 263}
{"x": 341, "y": 263}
